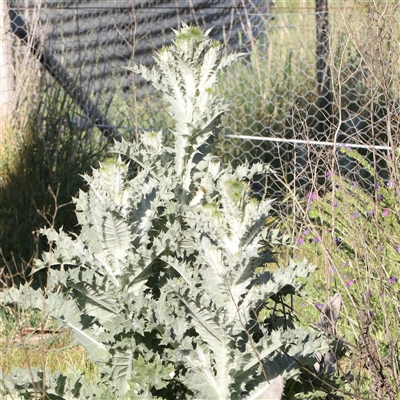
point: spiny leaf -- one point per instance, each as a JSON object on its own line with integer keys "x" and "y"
{"x": 96, "y": 350}
{"x": 116, "y": 235}
{"x": 272, "y": 390}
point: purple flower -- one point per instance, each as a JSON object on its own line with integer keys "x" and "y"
{"x": 320, "y": 306}
{"x": 300, "y": 241}
{"x": 355, "y": 184}
{"x": 385, "y": 212}
{"x": 378, "y": 185}
{"x": 316, "y": 239}
{"x": 335, "y": 204}
{"x": 368, "y": 294}
{"x": 380, "y": 247}
{"x": 355, "y": 214}
{"x": 312, "y": 196}
{"x": 371, "y": 213}
{"x": 296, "y": 255}
{"x": 381, "y": 197}
{"x": 398, "y": 248}
{"x": 391, "y": 184}
{"x": 328, "y": 174}
{"x": 350, "y": 282}
{"x": 306, "y": 231}
{"x": 392, "y": 280}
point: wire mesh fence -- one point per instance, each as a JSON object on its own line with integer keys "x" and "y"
{"x": 311, "y": 82}
{"x": 301, "y": 115}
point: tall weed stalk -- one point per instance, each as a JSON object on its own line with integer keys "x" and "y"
{"x": 350, "y": 226}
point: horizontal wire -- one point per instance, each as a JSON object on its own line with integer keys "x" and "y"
{"x": 271, "y": 139}
{"x": 313, "y": 142}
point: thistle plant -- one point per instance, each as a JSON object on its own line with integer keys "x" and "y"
{"x": 168, "y": 285}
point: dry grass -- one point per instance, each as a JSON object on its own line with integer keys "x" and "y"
{"x": 50, "y": 352}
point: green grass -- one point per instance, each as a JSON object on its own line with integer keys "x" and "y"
{"x": 44, "y": 156}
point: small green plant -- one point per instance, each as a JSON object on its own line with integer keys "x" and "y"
{"x": 160, "y": 285}
{"x": 356, "y": 230}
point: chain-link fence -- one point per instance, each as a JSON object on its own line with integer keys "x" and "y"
{"x": 85, "y": 45}
{"x": 314, "y": 79}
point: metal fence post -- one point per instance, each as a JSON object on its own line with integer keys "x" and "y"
{"x": 322, "y": 50}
